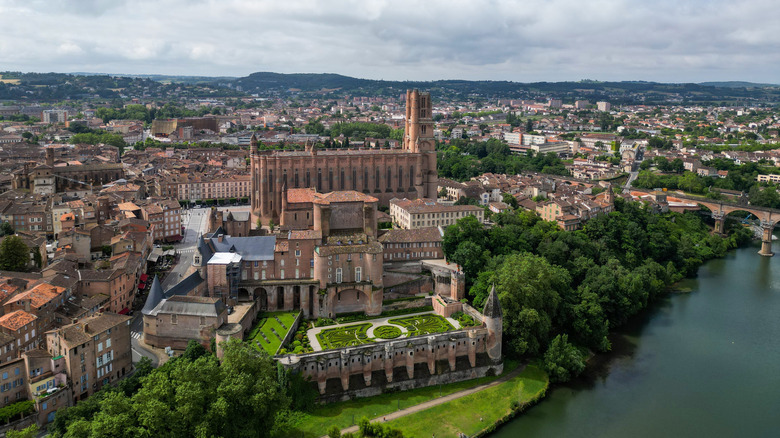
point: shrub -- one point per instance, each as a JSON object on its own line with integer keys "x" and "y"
{"x": 562, "y": 361}
{"x": 387, "y": 332}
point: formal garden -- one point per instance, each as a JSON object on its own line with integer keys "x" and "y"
{"x": 270, "y": 330}
{"x": 378, "y": 330}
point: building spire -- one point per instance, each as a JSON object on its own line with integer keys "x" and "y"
{"x": 492, "y": 305}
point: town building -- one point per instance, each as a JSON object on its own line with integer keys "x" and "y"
{"x": 414, "y": 244}
{"x": 96, "y": 351}
{"x": 422, "y": 213}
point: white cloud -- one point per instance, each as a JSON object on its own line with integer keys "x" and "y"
{"x": 530, "y": 40}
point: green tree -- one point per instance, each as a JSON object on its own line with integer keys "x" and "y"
{"x": 28, "y": 432}
{"x": 509, "y": 200}
{"x": 562, "y": 361}
{"x": 530, "y": 290}
{"x": 6, "y": 229}
{"x": 14, "y": 254}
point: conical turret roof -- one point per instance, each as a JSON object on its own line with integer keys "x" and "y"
{"x": 154, "y": 298}
{"x": 492, "y": 305}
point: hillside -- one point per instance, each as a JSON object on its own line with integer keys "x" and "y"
{"x": 265, "y": 83}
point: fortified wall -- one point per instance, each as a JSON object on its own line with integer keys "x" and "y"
{"x": 400, "y": 364}
{"x": 403, "y": 364}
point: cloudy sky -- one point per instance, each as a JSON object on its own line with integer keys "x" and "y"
{"x": 529, "y": 40}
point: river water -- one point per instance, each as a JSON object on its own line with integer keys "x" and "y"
{"x": 698, "y": 364}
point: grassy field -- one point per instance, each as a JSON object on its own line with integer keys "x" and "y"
{"x": 475, "y": 412}
{"x": 345, "y": 414}
{"x": 9, "y": 81}
{"x": 265, "y": 324}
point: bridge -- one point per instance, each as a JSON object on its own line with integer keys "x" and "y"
{"x": 768, "y": 217}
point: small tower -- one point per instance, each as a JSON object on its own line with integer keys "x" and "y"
{"x": 49, "y": 157}
{"x": 253, "y": 145}
{"x": 494, "y": 323}
{"x": 609, "y": 196}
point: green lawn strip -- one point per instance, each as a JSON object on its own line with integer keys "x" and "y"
{"x": 346, "y": 336}
{"x": 475, "y": 412}
{"x": 317, "y": 423}
{"x": 266, "y": 323}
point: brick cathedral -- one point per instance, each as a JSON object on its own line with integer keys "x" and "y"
{"x": 406, "y": 172}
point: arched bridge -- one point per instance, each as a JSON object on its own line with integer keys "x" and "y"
{"x": 720, "y": 209}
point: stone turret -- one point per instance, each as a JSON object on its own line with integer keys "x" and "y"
{"x": 253, "y": 145}
{"x": 494, "y": 323}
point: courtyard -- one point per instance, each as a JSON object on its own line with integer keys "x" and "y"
{"x": 378, "y": 330}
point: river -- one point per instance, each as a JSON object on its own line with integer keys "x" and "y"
{"x": 698, "y": 364}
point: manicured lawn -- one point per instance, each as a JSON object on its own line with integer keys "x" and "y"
{"x": 346, "y": 336}
{"x": 475, "y": 412}
{"x": 423, "y": 324}
{"x": 266, "y": 323}
{"x": 345, "y": 414}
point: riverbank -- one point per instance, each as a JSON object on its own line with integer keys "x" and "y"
{"x": 692, "y": 364}
{"x": 479, "y": 413}
{"x": 348, "y": 413}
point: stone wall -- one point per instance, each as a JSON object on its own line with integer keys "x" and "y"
{"x": 407, "y": 304}
{"x": 422, "y": 284}
{"x": 290, "y": 331}
{"x": 446, "y": 308}
{"x": 423, "y": 360}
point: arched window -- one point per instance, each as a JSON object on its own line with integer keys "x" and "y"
{"x": 411, "y": 176}
{"x": 358, "y": 273}
{"x": 377, "y": 178}
{"x": 354, "y": 179}
{"x": 389, "y": 178}
{"x": 400, "y": 177}
{"x": 338, "y": 275}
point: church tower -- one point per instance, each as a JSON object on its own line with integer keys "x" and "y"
{"x": 494, "y": 323}
{"x": 418, "y": 138}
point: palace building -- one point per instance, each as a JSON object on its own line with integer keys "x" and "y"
{"x": 383, "y": 173}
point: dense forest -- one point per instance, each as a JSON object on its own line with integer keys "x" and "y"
{"x": 579, "y": 285}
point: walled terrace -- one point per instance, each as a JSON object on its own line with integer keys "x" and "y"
{"x": 371, "y": 368}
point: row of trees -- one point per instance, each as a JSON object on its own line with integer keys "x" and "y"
{"x": 582, "y": 283}
{"x": 141, "y": 112}
{"x": 463, "y": 160}
{"x": 97, "y": 137}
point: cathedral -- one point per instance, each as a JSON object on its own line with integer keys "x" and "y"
{"x": 383, "y": 173}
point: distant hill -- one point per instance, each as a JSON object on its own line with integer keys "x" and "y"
{"x": 328, "y": 84}
{"x": 737, "y": 84}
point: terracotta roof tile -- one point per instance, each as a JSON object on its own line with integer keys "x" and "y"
{"x": 16, "y": 320}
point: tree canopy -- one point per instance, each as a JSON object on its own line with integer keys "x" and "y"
{"x": 194, "y": 395}
{"x": 580, "y": 283}
{"x": 14, "y": 254}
